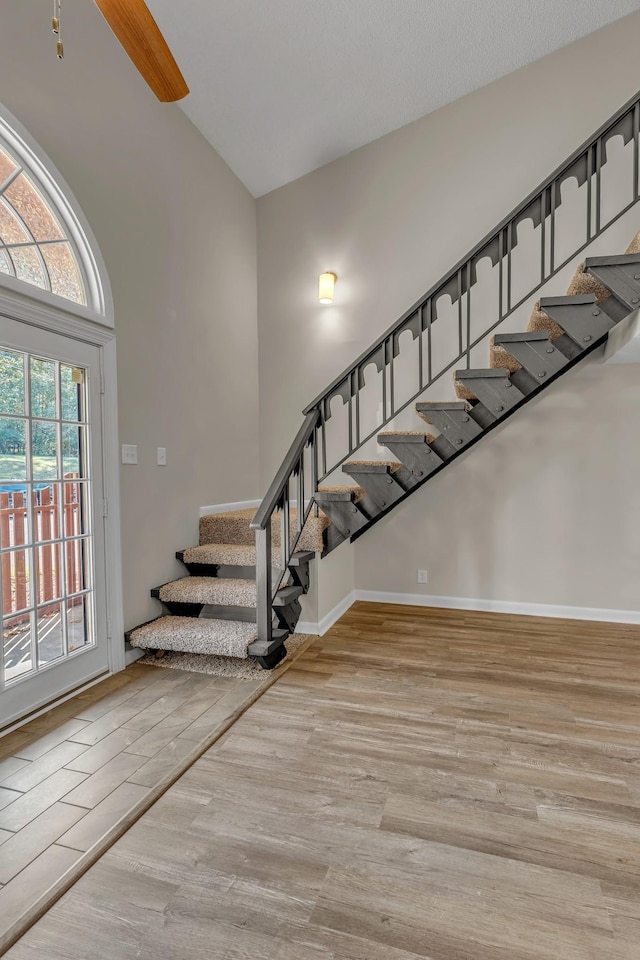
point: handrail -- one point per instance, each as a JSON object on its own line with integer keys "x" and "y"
{"x": 585, "y": 165}
{"x": 274, "y": 494}
{"x": 490, "y": 238}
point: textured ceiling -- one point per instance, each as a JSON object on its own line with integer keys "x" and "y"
{"x": 281, "y": 87}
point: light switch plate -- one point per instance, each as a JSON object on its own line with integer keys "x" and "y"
{"x": 129, "y": 453}
{"x": 162, "y": 456}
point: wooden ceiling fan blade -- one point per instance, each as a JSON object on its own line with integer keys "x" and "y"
{"x": 139, "y": 34}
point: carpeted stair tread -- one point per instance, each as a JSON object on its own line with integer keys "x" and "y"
{"x": 227, "y": 554}
{"x": 226, "y": 638}
{"x": 233, "y": 527}
{"x": 426, "y": 437}
{"x": 393, "y": 465}
{"x": 215, "y": 590}
{"x": 500, "y": 357}
{"x": 540, "y": 321}
{"x": 462, "y": 391}
{"x": 634, "y": 246}
{"x": 584, "y": 283}
{"x": 340, "y": 489}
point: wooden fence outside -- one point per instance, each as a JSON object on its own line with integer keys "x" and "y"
{"x": 50, "y": 510}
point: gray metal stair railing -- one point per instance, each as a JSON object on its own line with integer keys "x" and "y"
{"x": 585, "y": 166}
{"x": 279, "y": 498}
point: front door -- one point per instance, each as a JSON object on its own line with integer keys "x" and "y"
{"x": 52, "y": 565}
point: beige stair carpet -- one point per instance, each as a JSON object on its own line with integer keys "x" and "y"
{"x": 226, "y": 638}
{"x": 233, "y": 527}
{"x": 462, "y": 391}
{"x": 357, "y": 493}
{"x": 584, "y": 283}
{"x": 228, "y": 554}
{"x": 354, "y": 464}
{"x": 541, "y": 321}
{"x": 501, "y": 358}
{"x": 220, "y": 591}
{"x": 247, "y": 669}
{"x": 412, "y": 433}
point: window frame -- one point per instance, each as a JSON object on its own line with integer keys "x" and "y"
{"x": 57, "y": 194}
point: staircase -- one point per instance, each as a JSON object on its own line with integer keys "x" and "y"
{"x": 241, "y": 597}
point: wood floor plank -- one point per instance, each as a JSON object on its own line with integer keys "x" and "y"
{"x": 38, "y": 770}
{"x": 7, "y": 797}
{"x": 106, "y": 749}
{"x": 9, "y": 766}
{"x": 31, "y": 804}
{"x": 32, "y": 840}
{"x": 151, "y": 742}
{"x": 17, "y": 897}
{"x": 104, "y": 781}
{"x": 42, "y": 744}
{"x": 432, "y": 784}
{"x": 104, "y": 815}
{"x": 159, "y": 766}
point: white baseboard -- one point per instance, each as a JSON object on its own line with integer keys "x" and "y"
{"x": 227, "y": 507}
{"x": 319, "y": 629}
{"x": 500, "y": 606}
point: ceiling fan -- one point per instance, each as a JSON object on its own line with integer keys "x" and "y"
{"x": 139, "y": 34}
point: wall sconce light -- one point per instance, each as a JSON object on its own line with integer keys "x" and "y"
{"x": 326, "y": 286}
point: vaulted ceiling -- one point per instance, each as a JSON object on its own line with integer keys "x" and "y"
{"x": 281, "y": 87}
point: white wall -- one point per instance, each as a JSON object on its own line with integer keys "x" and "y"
{"x": 177, "y": 232}
{"x": 544, "y": 510}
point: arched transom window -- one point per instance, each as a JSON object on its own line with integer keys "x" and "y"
{"x": 33, "y": 245}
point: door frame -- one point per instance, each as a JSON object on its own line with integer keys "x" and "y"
{"x": 57, "y": 319}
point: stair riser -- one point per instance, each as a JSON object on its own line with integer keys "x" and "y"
{"x": 344, "y": 514}
{"x": 541, "y": 359}
{"x": 623, "y": 279}
{"x": 583, "y": 323}
{"x": 221, "y": 571}
{"x": 499, "y": 395}
{"x": 381, "y": 488}
{"x": 210, "y": 610}
{"x": 457, "y": 427}
{"x": 419, "y": 459}
{"x": 288, "y": 616}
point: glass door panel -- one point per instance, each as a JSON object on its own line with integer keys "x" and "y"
{"x": 51, "y": 528}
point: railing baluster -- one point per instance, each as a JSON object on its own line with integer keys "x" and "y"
{"x": 300, "y": 505}
{"x": 598, "y": 184}
{"x": 543, "y": 236}
{"x": 636, "y": 151}
{"x": 264, "y": 611}
{"x": 285, "y": 533}
{"x": 429, "y": 322}
{"x": 589, "y": 193}
{"x": 509, "y": 239}
{"x": 392, "y": 385}
{"x": 468, "y": 351}
{"x": 552, "y": 228}
{"x": 323, "y": 429}
{"x": 460, "y": 335}
{"x": 501, "y": 275}
{"x": 420, "y": 361}
{"x": 384, "y": 383}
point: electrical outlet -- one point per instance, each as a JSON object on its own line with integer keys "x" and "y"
{"x": 162, "y": 456}
{"x": 129, "y": 453}
{"x": 422, "y": 576}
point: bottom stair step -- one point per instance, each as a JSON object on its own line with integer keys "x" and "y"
{"x": 224, "y": 638}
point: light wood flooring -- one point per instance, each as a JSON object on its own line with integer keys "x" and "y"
{"x": 71, "y": 777}
{"x": 420, "y": 784}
